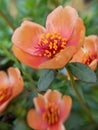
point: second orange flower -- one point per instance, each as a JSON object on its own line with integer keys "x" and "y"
{"x": 88, "y": 53}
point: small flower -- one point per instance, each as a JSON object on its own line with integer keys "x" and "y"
{"x": 88, "y": 54}
{"x": 51, "y": 111}
{"x": 53, "y": 46}
{"x": 10, "y": 86}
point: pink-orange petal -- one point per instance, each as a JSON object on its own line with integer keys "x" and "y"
{"x": 65, "y": 106}
{"x": 39, "y": 103}
{"x": 78, "y": 56}
{"x": 91, "y": 43}
{"x": 94, "y": 64}
{"x": 4, "y": 105}
{"x": 78, "y": 35}
{"x": 62, "y": 20}
{"x": 53, "y": 96}
{"x": 3, "y": 79}
{"x": 16, "y": 80}
{"x": 58, "y": 126}
{"x": 30, "y": 60}
{"x": 35, "y": 120}
{"x": 27, "y": 35}
{"x": 60, "y": 60}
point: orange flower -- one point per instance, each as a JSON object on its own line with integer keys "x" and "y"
{"x": 51, "y": 110}
{"x": 88, "y": 54}
{"x": 10, "y": 86}
{"x": 52, "y": 47}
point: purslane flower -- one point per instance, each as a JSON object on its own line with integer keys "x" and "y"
{"x": 53, "y": 46}
{"x": 51, "y": 110}
{"x": 11, "y": 85}
{"x": 88, "y": 54}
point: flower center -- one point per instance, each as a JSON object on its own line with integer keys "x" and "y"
{"x": 50, "y": 44}
{"x": 87, "y": 58}
{"x": 5, "y": 94}
{"x": 51, "y": 115}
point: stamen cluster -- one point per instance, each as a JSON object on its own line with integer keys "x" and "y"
{"x": 51, "y": 115}
{"x": 50, "y": 44}
{"x": 88, "y": 58}
{"x": 5, "y": 94}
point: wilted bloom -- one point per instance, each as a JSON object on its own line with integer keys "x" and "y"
{"x": 88, "y": 54}
{"x": 53, "y": 46}
{"x": 51, "y": 111}
{"x": 10, "y": 86}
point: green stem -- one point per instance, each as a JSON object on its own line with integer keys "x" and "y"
{"x": 84, "y": 105}
{"x": 31, "y": 80}
{"x": 7, "y": 20}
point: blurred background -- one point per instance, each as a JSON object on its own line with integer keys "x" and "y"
{"x": 12, "y": 13}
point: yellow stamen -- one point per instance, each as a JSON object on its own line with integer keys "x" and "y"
{"x": 55, "y": 41}
{"x": 59, "y": 37}
{"x": 52, "y": 119}
{"x": 2, "y": 97}
{"x": 54, "y": 52}
{"x": 5, "y": 94}
{"x": 51, "y": 115}
{"x": 47, "y": 35}
{"x": 51, "y": 44}
{"x": 45, "y": 41}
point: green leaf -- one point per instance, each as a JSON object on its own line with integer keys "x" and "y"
{"x": 5, "y": 126}
{"x": 82, "y": 72}
{"x": 20, "y": 125}
{"x": 46, "y": 79}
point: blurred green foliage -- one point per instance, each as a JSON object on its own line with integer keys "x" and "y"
{"x": 12, "y": 13}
